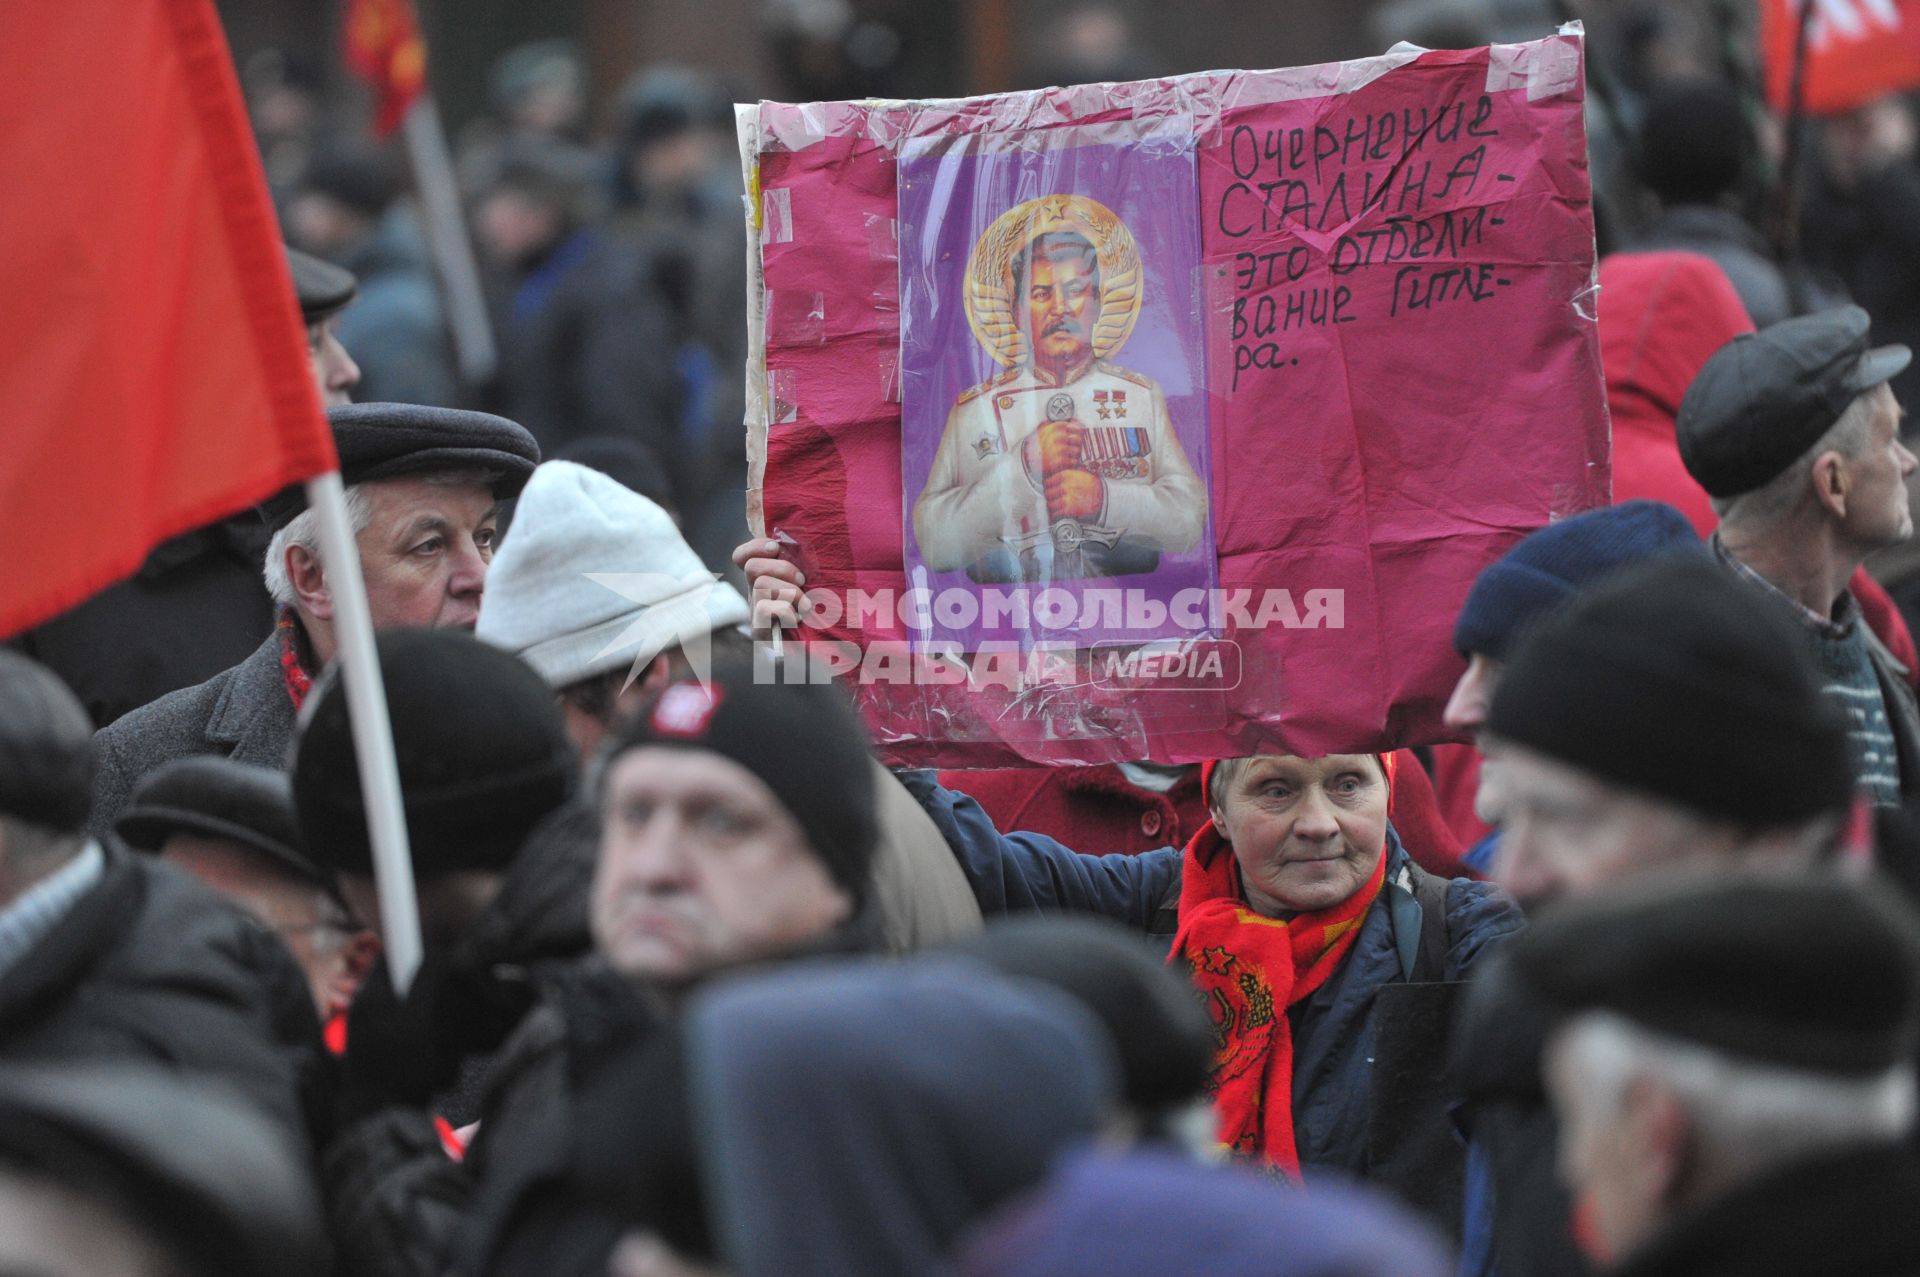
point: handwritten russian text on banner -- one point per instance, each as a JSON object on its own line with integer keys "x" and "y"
{"x": 1171, "y": 419}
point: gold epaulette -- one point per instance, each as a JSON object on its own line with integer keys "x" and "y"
{"x": 967, "y": 396}
{"x": 1126, "y": 374}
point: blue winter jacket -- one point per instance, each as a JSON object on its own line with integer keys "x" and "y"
{"x": 1333, "y": 1029}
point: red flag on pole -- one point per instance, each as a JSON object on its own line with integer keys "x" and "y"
{"x": 155, "y": 376}
{"x": 1857, "y": 51}
{"x": 383, "y": 45}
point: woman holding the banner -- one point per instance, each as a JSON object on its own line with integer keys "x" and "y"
{"x": 1325, "y": 956}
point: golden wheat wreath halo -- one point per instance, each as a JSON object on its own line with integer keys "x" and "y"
{"x": 991, "y": 306}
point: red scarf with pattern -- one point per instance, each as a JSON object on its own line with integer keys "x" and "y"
{"x": 1249, "y": 969}
{"x": 287, "y": 629}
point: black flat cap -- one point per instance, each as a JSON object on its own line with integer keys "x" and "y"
{"x": 1766, "y": 397}
{"x": 1798, "y": 970}
{"x": 396, "y": 440}
{"x": 393, "y": 440}
{"x": 214, "y": 797}
{"x": 323, "y": 288}
{"x": 185, "y": 1161}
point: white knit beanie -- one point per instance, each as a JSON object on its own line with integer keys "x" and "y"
{"x": 593, "y": 577}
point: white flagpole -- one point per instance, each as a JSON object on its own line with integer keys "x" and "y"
{"x": 447, "y": 239}
{"x": 372, "y": 732}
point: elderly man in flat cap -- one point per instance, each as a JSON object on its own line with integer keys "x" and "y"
{"x": 232, "y": 826}
{"x": 1795, "y": 434}
{"x": 1732, "y": 1061}
{"x": 423, "y": 490}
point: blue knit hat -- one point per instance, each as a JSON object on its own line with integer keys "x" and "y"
{"x": 1557, "y": 562}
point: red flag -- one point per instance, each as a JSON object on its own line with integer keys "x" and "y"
{"x": 1857, "y": 51}
{"x": 383, "y": 45}
{"x": 155, "y": 375}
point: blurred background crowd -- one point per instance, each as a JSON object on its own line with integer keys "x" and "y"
{"x": 594, "y": 150}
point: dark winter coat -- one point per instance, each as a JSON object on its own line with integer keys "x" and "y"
{"x": 196, "y": 607}
{"x": 1849, "y": 1212}
{"x": 243, "y": 713}
{"x": 1517, "y": 1211}
{"x": 400, "y": 1207}
{"x": 151, "y": 965}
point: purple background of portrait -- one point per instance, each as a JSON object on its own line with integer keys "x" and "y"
{"x": 948, "y": 197}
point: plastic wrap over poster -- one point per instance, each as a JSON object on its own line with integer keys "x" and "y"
{"x": 1053, "y": 383}
{"x": 1173, "y": 419}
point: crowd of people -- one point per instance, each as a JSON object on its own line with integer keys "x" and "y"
{"x": 1627, "y": 981}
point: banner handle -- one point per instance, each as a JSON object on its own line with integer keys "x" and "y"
{"x": 372, "y": 731}
{"x": 447, "y": 240}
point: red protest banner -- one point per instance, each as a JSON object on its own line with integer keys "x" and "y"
{"x": 1171, "y": 420}
{"x": 156, "y": 376}
{"x": 383, "y": 45}
{"x": 1857, "y": 51}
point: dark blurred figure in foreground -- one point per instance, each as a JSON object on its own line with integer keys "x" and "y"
{"x": 1732, "y": 1062}
{"x": 104, "y": 954}
{"x": 1597, "y": 732}
{"x": 125, "y": 1171}
{"x": 1151, "y": 1213}
{"x": 478, "y": 773}
{"x": 802, "y": 1081}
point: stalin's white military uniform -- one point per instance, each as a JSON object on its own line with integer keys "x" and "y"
{"x": 984, "y": 510}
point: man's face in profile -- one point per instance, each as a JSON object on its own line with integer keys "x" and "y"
{"x": 1063, "y": 304}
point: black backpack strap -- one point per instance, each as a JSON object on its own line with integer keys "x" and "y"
{"x": 1430, "y": 892}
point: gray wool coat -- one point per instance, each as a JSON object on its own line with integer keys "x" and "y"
{"x": 243, "y": 713}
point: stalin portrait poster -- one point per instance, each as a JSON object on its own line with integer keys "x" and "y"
{"x": 1053, "y": 393}
{"x": 1174, "y": 419}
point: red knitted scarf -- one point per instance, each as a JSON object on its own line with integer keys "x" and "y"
{"x": 298, "y": 681}
{"x": 1249, "y": 969}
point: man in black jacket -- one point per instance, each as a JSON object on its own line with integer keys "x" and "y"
{"x": 105, "y": 954}
{"x": 739, "y": 828}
